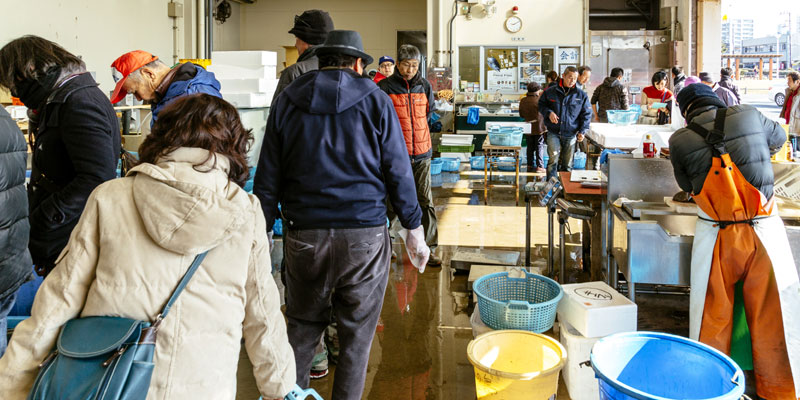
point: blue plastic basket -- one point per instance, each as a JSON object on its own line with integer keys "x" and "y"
{"x": 579, "y": 160}
{"x": 248, "y": 185}
{"x": 299, "y": 394}
{"x": 622, "y": 117}
{"x": 506, "y": 164}
{"x": 477, "y": 162}
{"x": 436, "y": 166}
{"x": 527, "y": 303}
{"x": 450, "y": 164}
{"x": 660, "y": 366}
{"x": 506, "y": 138}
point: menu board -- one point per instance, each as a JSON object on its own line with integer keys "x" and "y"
{"x": 504, "y": 79}
{"x": 530, "y": 67}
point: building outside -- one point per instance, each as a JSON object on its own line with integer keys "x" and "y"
{"x": 772, "y": 45}
{"x": 734, "y": 32}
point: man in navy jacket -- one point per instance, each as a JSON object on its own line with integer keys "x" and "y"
{"x": 333, "y": 153}
{"x": 567, "y": 113}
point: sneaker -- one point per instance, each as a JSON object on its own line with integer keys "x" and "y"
{"x": 434, "y": 260}
{"x": 541, "y": 170}
{"x": 318, "y": 374}
{"x": 319, "y": 365}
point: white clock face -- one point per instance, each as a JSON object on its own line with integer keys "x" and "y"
{"x": 514, "y": 24}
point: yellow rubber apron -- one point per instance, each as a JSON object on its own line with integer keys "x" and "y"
{"x": 739, "y": 236}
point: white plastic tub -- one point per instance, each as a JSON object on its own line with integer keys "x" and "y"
{"x": 580, "y": 380}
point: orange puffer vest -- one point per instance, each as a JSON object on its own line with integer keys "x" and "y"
{"x": 413, "y": 101}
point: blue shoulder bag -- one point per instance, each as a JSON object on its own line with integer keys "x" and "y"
{"x": 104, "y": 358}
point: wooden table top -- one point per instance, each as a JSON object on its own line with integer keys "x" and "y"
{"x": 575, "y": 188}
{"x": 489, "y": 146}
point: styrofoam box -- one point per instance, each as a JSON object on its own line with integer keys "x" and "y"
{"x": 253, "y": 85}
{"x": 244, "y": 58}
{"x": 226, "y": 71}
{"x": 595, "y": 309}
{"x": 18, "y": 112}
{"x": 456, "y": 140}
{"x": 478, "y": 326}
{"x": 580, "y": 380}
{"x": 246, "y": 100}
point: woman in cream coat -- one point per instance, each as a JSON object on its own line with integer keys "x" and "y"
{"x": 135, "y": 240}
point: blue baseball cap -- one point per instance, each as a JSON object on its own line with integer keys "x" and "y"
{"x": 385, "y": 59}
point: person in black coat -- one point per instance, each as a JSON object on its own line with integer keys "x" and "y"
{"x": 75, "y": 136}
{"x": 15, "y": 261}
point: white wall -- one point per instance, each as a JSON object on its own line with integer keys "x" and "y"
{"x": 265, "y": 25}
{"x": 97, "y": 30}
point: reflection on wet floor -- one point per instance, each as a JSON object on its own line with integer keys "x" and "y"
{"x": 419, "y": 348}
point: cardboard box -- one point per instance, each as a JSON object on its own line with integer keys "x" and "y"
{"x": 226, "y": 71}
{"x": 254, "y": 58}
{"x": 594, "y": 309}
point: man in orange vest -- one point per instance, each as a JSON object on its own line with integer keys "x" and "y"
{"x": 412, "y": 96}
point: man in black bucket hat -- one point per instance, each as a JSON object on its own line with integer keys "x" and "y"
{"x": 333, "y": 151}
{"x": 310, "y": 30}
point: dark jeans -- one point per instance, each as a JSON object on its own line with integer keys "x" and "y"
{"x": 341, "y": 271}
{"x": 422, "y": 178}
{"x": 535, "y": 151}
{"x": 5, "y": 308}
{"x": 560, "y": 149}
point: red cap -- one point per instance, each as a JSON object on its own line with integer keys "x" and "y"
{"x": 124, "y": 66}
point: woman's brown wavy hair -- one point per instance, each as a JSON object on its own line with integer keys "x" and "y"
{"x": 202, "y": 121}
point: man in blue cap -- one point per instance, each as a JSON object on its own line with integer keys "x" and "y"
{"x": 385, "y": 69}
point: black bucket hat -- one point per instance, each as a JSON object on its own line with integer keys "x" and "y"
{"x": 312, "y": 26}
{"x": 344, "y": 42}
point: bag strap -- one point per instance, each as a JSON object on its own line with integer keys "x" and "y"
{"x": 182, "y": 285}
{"x": 715, "y": 137}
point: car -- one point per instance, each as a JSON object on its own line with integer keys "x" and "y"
{"x": 778, "y": 94}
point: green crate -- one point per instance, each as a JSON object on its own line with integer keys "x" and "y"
{"x": 457, "y": 149}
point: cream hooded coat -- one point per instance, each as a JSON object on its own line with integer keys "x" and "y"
{"x": 135, "y": 240}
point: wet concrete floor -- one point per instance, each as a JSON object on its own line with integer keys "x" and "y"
{"x": 419, "y": 348}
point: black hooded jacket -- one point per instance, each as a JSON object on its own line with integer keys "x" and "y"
{"x": 750, "y": 138}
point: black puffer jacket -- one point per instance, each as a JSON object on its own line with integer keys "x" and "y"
{"x": 750, "y": 138}
{"x": 15, "y": 261}
{"x": 77, "y": 147}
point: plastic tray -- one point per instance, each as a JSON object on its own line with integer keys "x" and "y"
{"x": 450, "y": 164}
{"x": 622, "y": 117}
{"x": 510, "y": 139}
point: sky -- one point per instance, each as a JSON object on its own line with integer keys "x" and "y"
{"x": 766, "y": 15}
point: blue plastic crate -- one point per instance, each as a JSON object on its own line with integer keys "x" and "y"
{"x": 436, "y": 166}
{"x": 506, "y": 164}
{"x": 511, "y": 139}
{"x": 450, "y": 164}
{"x": 527, "y": 303}
{"x": 477, "y": 162}
{"x": 622, "y": 117}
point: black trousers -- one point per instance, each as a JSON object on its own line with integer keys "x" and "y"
{"x": 341, "y": 271}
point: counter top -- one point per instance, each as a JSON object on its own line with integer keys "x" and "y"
{"x": 627, "y": 136}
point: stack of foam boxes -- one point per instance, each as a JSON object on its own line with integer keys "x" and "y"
{"x": 588, "y": 312}
{"x": 248, "y": 78}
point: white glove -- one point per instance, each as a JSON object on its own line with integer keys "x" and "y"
{"x": 416, "y": 248}
{"x": 271, "y": 242}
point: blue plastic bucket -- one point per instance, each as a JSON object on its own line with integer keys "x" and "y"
{"x": 660, "y": 366}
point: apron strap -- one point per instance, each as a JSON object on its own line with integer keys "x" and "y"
{"x": 725, "y": 224}
{"x": 716, "y": 137}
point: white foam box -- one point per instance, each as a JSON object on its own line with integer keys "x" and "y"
{"x": 244, "y": 58}
{"x": 227, "y": 71}
{"x": 595, "y": 309}
{"x": 463, "y": 157}
{"x": 246, "y": 100}
{"x": 456, "y": 140}
{"x": 478, "y": 326}
{"x": 580, "y": 380}
{"x": 17, "y": 112}
{"x": 252, "y": 85}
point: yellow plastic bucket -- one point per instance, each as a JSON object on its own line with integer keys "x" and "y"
{"x": 513, "y": 365}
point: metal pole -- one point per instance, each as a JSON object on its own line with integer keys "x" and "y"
{"x": 550, "y": 232}
{"x": 527, "y": 232}
{"x": 209, "y": 8}
{"x": 562, "y": 220}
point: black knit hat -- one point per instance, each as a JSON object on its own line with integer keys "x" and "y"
{"x": 697, "y": 94}
{"x": 312, "y": 26}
